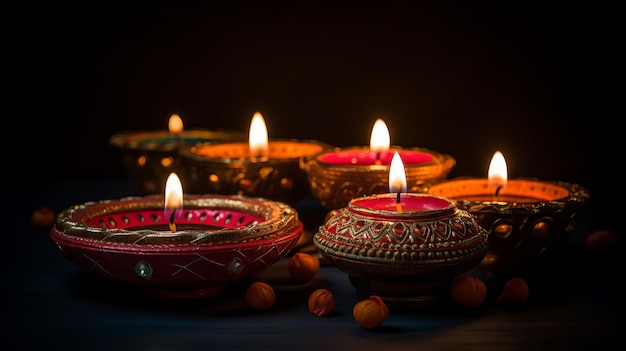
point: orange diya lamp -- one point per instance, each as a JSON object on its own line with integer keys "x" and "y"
{"x": 149, "y": 156}
{"x": 526, "y": 217}
{"x": 261, "y": 167}
{"x": 339, "y": 175}
{"x": 174, "y": 247}
{"x": 403, "y": 247}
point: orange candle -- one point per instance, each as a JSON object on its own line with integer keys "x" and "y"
{"x": 497, "y": 188}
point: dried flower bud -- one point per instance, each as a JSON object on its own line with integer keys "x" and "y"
{"x": 515, "y": 290}
{"x": 468, "y": 291}
{"x": 303, "y": 267}
{"x": 43, "y": 218}
{"x": 371, "y": 312}
{"x": 600, "y": 242}
{"x": 321, "y": 302}
{"x": 260, "y": 296}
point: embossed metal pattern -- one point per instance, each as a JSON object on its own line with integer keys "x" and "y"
{"x": 452, "y": 237}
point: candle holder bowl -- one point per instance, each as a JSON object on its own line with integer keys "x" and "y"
{"x": 219, "y": 240}
{"x": 520, "y": 233}
{"x": 407, "y": 258}
{"x": 335, "y": 185}
{"x": 227, "y": 168}
{"x": 150, "y": 156}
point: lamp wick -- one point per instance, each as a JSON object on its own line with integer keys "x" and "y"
{"x": 398, "y": 204}
{"x": 498, "y": 190}
{"x": 172, "y": 224}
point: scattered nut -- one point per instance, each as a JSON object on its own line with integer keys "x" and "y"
{"x": 260, "y": 296}
{"x": 321, "y": 302}
{"x": 515, "y": 290}
{"x": 468, "y": 291}
{"x": 303, "y": 267}
{"x": 600, "y": 241}
{"x": 371, "y": 312}
{"x": 43, "y": 217}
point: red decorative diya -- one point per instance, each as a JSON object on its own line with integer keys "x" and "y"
{"x": 220, "y": 239}
{"x": 337, "y": 176}
{"x": 406, "y": 257}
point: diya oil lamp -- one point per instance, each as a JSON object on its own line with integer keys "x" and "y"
{"x": 404, "y": 247}
{"x": 525, "y": 218}
{"x": 150, "y": 155}
{"x": 260, "y": 167}
{"x": 337, "y": 176}
{"x": 172, "y": 247}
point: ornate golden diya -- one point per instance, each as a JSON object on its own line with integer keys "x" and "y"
{"x": 149, "y": 156}
{"x": 526, "y": 218}
{"x": 404, "y": 247}
{"x": 339, "y": 175}
{"x": 189, "y": 248}
{"x": 259, "y": 167}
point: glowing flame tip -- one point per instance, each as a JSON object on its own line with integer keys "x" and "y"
{"x": 258, "y": 142}
{"x": 175, "y": 124}
{"x": 397, "y": 175}
{"x": 380, "y": 139}
{"x": 498, "y": 173}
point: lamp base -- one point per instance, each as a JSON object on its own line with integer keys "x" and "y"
{"x": 400, "y": 294}
{"x": 174, "y": 294}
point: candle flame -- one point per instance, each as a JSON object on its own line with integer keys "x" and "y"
{"x": 498, "y": 174}
{"x": 380, "y": 140}
{"x": 173, "y": 199}
{"x": 397, "y": 175}
{"x": 175, "y": 124}
{"x": 397, "y": 178}
{"x": 258, "y": 143}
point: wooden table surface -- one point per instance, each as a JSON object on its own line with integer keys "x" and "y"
{"x": 576, "y": 301}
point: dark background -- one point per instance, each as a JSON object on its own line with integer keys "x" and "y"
{"x": 466, "y": 79}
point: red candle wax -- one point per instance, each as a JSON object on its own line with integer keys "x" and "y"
{"x": 366, "y": 157}
{"x": 412, "y": 204}
{"x": 202, "y": 219}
